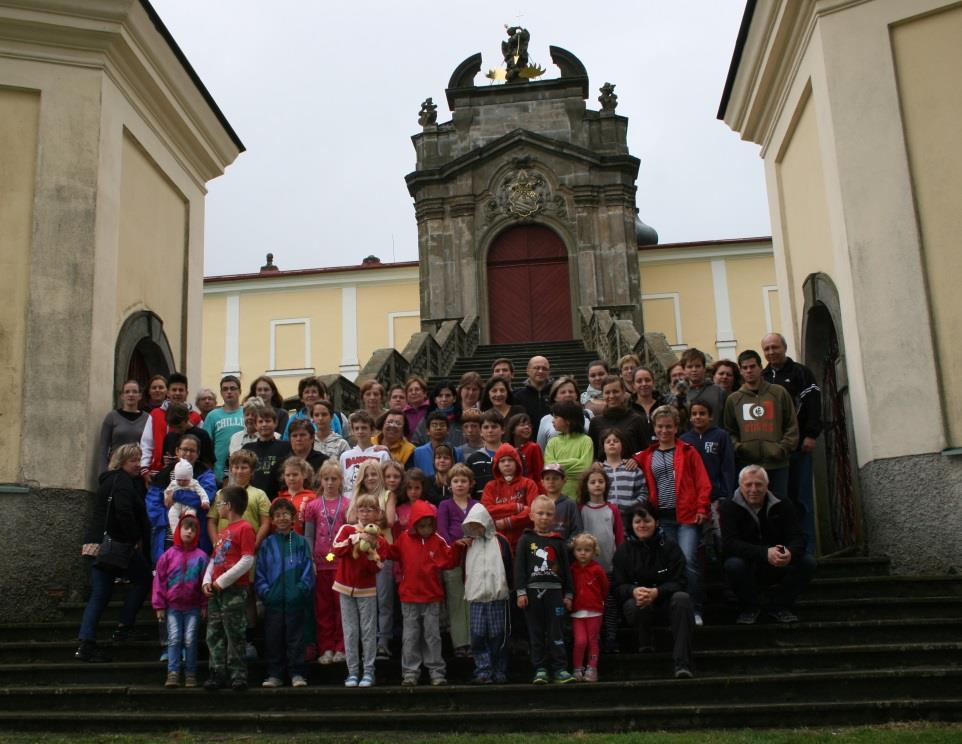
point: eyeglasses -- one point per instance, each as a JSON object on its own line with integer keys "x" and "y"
{"x": 367, "y": 508}
{"x": 219, "y": 504}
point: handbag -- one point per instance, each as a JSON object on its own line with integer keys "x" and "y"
{"x": 113, "y": 556}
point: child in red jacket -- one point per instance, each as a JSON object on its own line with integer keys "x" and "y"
{"x": 422, "y": 555}
{"x": 508, "y": 495}
{"x": 591, "y": 589}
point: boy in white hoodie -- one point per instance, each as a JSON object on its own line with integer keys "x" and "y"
{"x": 487, "y": 576}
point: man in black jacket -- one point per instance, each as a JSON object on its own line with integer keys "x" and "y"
{"x": 533, "y": 395}
{"x": 764, "y": 546}
{"x": 801, "y": 384}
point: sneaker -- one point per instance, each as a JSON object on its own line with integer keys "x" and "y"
{"x": 563, "y": 677}
{"x": 239, "y": 685}
{"x": 783, "y": 616}
{"x": 366, "y": 681}
{"x": 540, "y": 677}
{"x": 438, "y": 681}
{"x": 190, "y": 680}
{"x": 91, "y": 653}
{"x": 698, "y": 620}
{"x": 591, "y": 674}
{"x": 298, "y": 681}
{"x": 215, "y": 682}
{"x": 339, "y": 657}
{"x": 326, "y": 658}
{"x": 351, "y": 681}
{"x": 409, "y": 682}
{"x": 383, "y": 652}
{"x": 173, "y": 679}
{"x": 578, "y": 674}
{"x": 272, "y": 682}
{"x": 683, "y": 673}
{"x": 748, "y": 617}
{"x": 250, "y": 652}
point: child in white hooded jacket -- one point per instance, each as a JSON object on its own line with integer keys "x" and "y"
{"x": 487, "y": 572}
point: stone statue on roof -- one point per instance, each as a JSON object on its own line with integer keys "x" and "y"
{"x": 515, "y": 51}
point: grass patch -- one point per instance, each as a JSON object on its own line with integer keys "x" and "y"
{"x": 917, "y": 733}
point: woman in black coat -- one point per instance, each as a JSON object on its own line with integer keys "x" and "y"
{"x": 118, "y": 509}
{"x": 649, "y": 580}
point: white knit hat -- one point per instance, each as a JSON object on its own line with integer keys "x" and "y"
{"x": 183, "y": 470}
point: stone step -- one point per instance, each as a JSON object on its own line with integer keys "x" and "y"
{"x": 709, "y": 637}
{"x": 853, "y": 566}
{"x": 635, "y": 715}
{"x": 719, "y": 662}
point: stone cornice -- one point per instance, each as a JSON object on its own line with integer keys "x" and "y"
{"x": 418, "y": 179}
{"x": 120, "y": 38}
{"x": 778, "y": 36}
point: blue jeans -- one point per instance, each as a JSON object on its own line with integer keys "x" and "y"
{"x": 284, "y": 640}
{"x": 102, "y": 587}
{"x": 182, "y": 637}
{"x": 688, "y": 537}
{"x": 800, "y": 493}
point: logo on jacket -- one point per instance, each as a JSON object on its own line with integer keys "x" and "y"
{"x": 758, "y": 411}
{"x": 544, "y": 559}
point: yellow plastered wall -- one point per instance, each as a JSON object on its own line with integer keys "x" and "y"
{"x": 806, "y": 232}
{"x": 928, "y": 58}
{"x": 213, "y": 339}
{"x": 152, "y": 245}
{"x": 750, "y": 279}
{"x": 19, "y": 117}
{"x": 375, "y": 303}
{"x": 687, "y": 284}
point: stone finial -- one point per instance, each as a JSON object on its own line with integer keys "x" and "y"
{"x": 608, "y": 99}
{"x": 269, "y": 266}
{"x": 428, "y": 116}
{"x": 371, "y": 260}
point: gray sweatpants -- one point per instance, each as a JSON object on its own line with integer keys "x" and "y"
{"x": 359, "y": 620}
{"x": 421, "y": 640}
{"x": 385, "y": 604}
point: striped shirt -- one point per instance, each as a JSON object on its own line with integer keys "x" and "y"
{"x": 628, "y": 487}
{"x": 663, "y": 470}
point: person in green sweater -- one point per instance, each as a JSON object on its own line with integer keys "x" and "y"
{"x": 572, "y": 448}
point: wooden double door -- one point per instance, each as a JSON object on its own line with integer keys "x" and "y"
{"x": 529, "y": 295}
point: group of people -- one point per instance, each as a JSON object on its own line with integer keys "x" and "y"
{"x": 482, "y": 509}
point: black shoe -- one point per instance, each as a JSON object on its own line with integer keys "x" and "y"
{"x": 90, "y": 652}
{"x": 239, "y": 685}
{"x": 214, "y": 683}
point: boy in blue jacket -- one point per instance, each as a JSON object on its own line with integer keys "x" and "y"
{"x": 284, "y": 580}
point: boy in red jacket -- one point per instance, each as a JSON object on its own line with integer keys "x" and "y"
{"x": 422, "y": 555}
{"x": 508, "y": 495}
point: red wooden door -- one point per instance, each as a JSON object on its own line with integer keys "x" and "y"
{"x": 529, "y": 298}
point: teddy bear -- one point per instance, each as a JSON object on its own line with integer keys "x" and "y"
{"x": 363, "y": 546}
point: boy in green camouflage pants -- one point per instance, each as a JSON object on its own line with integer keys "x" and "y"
{"x": 225, "y": 584}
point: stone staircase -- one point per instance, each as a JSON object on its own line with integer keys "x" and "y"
{"x": 566, "y": 357}
{"x": 872, "y": 648}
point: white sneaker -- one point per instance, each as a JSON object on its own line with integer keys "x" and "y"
{"x": 366, "y": 681}
{"x": 272, "y": 682}
{"x": 326, "y": 658}
{"x": 339, "y": 657}
{"x": 698, "y": 620}
{"x": 298, "y": 681}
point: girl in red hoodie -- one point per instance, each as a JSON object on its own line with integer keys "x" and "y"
{"x": 591, "y": 590}
{"x": 508, "y": 495}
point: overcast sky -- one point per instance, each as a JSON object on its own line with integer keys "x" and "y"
{"x": 325, "y": 96}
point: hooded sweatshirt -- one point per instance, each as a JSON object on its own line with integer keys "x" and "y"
{"x": 284, "y": 577}
{"x": 509, "y": 500}
{"x": 487, "y": 563}
{"x": 762, "y": 425}
{"x": 421, "y": 559}
{"x": 179, "y": 574}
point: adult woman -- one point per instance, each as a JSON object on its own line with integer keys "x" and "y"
{"x": 563, "y": 389}
{"x": 396, "y": 399}
{"x": 264, "y": 388}
{"x": 372, "y": 398}
{"x": 680, "y": 490}
{"x": 627, "y": 366}
{"x": 497, "y": 395}
{"x": 156, "y": 393}
{"x": 393, "y": 433}
{"x": 469, "y": 390}
{"x": 725, "y": 374}
{"x": 647, "y": 397}
{"x": 301, "y": 436}
{"x": 416, "y": 407}
{"x": 123, "y": 425}
{"x": 118, "y": 510}
{"x": 648, "y": 576}
{"x": 633, "y": 427}
{"x": 325, "y": 439}
{"x": 444, "y": 398}
{"x": 188, "y": 448}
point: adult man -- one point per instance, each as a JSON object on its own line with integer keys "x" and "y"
{"x": 152, "y": 440}
{"x": 799, "y": 381}
{"x": 222, "y": 423}
{"x": 533, "y": 395}
{"x": 503, "y": 367}
{"x": 205, "y": 402}
{"x": 763, "y": 545}
{"x": 700, "y": 387}
{"x": 761, "y": 421}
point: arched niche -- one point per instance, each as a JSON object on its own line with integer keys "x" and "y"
{"x": 142, "y": 350}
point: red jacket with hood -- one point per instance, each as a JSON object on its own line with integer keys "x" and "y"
{"x": 692, "y": 485}
{"x": 422, "y": 558}
{"x": 511, "y": 501}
